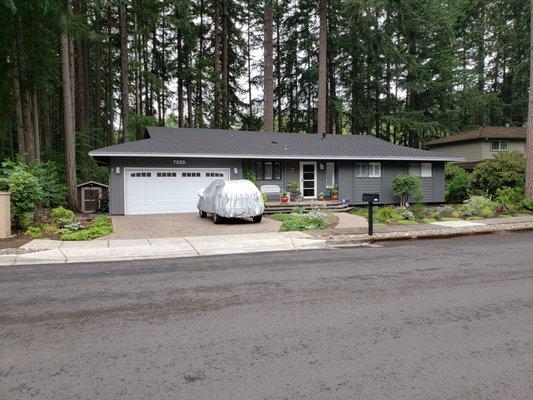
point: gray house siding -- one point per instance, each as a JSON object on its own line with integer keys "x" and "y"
{"x": 350, "y": 187}
{"x": 116, "y": 181}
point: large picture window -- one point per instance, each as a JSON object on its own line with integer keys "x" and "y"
{"x": 268, "y": 170}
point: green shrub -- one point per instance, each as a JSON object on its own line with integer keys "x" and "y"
{"x": 62, "y": 216}
{"x": 25, "y": 191}
{"x": 457, "y": 184}
{"x": 405, "y": 186}
{"x": 511, "y": 198}
{"x": 385, "y": 215}
{"x": 505, "y": 170}
{"x": 361, "y": 211}
{"x": 34, "y": 231}
{"x": 442, "y": 212}
{"x": 479, "y": 206}
{"x": 54, "y": 191}
{"x": 87, "y": 234}
{"x": 405, "y": 213}
{"x": 101, "y": 226}
{"x": 528, "y": 204}
{"x": 101, "y": 220}
{"x": 299, "y": 222}
{"x": 250, "y": 175}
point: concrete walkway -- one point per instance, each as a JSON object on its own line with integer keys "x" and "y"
{"x": 56, "y": 251}
{"x": 350, "y": 221}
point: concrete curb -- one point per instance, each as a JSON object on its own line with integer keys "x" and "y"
{"x": 442, "y": 233}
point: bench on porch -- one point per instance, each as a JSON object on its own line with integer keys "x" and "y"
{"x": 272, "y": 192}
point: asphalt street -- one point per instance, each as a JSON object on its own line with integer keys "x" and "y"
{"x": 433, "y": 319}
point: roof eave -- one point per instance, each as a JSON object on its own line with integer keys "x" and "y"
{"x": 279, "y": 156}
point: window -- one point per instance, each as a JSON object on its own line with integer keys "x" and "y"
{"x": 268, "y": 170}
{"x": 374, "y": 170}
{"x": 499, "y": 145}
{"x": 330, "y": 174}
{"x": 425, "y": 170}
{"x": 414, "y": 169}
{"x": 361, "y": 170}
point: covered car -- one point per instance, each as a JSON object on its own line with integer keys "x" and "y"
{"x": 231, "y": 199}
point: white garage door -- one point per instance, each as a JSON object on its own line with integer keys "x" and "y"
{"x": 161, "y": 191}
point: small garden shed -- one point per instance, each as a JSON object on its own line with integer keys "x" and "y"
{"x": 92, "y": 195}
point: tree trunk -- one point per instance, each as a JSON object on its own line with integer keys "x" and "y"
{"x": 98, "y": 76}
{"x": 529, "y": 138}
{"x": 36, "y": 131}
{"x": 72, "y": 70}
{"x": 279, "y": 114}
{"x": 110, "y": 94}
{"x": 181, "y": 112}
{"x": 225, "y": 66}
{"x": 249, "y": 64}
{"x": 322, "y": 67}
{"x": 124, "y": 72}
{"x": 18, "y": 106}
{"x": 70, "y": 142}
{"x": 216, "y": 55}
{"x": 198, "y": 115}
{"x": 268, "y": 90}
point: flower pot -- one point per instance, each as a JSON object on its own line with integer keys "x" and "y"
{"x": 284, "y": 200}
{"x": 334, "y": 197}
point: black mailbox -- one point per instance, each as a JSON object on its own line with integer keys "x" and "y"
{"x": 371, "y": 197}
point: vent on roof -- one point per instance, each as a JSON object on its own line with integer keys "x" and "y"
{"x": 274, "y": 142}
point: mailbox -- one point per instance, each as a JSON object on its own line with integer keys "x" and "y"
{"x": 371, "y": 197}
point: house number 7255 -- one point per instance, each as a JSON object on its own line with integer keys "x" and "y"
{"x": 178, "y": 162}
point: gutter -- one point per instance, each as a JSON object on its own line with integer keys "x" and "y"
{"x": 277, "y": 157}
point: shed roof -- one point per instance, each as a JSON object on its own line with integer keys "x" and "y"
{"x": 209, "y": 143}
{"x": 486, "y": 132}
{"x": 92, "y": 183}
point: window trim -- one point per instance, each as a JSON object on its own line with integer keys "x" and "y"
{"x": 499, "y": 142}
{"x": 276, "y": 165}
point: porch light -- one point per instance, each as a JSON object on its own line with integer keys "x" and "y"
{"x": 321, "y": 166}
{"x": 117, "y": 170}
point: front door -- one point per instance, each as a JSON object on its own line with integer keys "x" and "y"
{"x": 308, "y": 179}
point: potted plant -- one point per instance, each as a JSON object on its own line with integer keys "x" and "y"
{"x": 284, "y": 197}
{"x": 334, "y": 193}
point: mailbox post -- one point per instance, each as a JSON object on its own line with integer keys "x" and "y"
{"x": 371, "y": 198}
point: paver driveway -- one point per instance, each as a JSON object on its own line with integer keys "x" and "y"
{"x": 190, "y": 224}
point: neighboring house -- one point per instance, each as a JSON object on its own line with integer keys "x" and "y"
{"x": 162, "y": 174}
{"x": 480, "y": 144}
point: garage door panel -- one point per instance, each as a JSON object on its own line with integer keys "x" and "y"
{"x": 166, "y": 191}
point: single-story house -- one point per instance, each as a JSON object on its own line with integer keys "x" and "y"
{"x": 163, "y": 173}
{"x": 480, "y": 144}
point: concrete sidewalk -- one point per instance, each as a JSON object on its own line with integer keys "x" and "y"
{"x": 56, "y": 251}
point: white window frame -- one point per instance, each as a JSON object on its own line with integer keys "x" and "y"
{"x": 426, "y": 170}
{"x": 500, "y": 142}
{"x": 330, "y": 173}
{"x": 374, "y": 170}
{"x": 268, "y": 165}
{"x": 359, "y": 173}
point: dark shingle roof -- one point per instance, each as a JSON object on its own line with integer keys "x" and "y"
{"x": 486, "y": 132}
{"x": 186, "y": 142}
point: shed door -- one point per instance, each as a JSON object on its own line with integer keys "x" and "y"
{"x": 90, "y": 199}
{"x": 166, "y": 191}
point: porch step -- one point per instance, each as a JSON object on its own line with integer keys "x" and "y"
{"x": 286, "y": 209}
